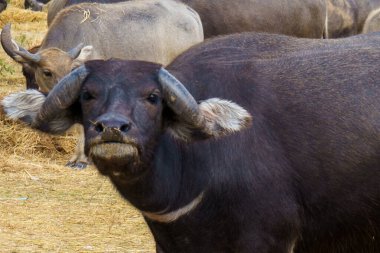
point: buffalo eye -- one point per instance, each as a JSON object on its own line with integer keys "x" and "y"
{"x": 87, "y": 96}
{"x": 47, "y": 73}
{"x": 153, "y": 99}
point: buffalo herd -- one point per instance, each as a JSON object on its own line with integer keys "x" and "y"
{"x": 166, "y": 29}
{"x": 263, "y": 138}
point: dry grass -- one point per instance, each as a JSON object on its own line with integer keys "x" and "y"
{"x": 17, "y": 15}
{"x": 44, "y": 206}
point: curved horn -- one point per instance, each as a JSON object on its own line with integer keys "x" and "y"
{"x": 178, "y": 98}
{"x": 9, "y": 46}
{"x": 74, "y": 52}
{"x": 63, "y": 95}
{"x": 13, "y": 49}
{"x": 26, "y": 55}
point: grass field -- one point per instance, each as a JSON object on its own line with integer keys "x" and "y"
{"x": 44, "y": 206}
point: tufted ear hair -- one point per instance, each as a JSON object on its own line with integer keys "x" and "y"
{"x": 211, "y": 118}
{"x": 25, "y": 106}
{"x": 221, "y": 118}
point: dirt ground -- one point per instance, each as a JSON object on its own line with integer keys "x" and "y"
{"x": 45, "y": 206}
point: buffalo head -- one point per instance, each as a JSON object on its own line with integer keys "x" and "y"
{"x": 125, "y": 108}
{"x": 44, "y": 67}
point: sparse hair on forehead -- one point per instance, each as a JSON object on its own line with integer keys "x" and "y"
{"x": 127, "y": 70}
{"x": 118, "y": 64}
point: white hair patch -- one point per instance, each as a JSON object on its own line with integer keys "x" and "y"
{"x": 220, "y": 118}
{"x": 22, "y": 104}
{"x": 223, "y": 117}
{"x": 167, "y": 217}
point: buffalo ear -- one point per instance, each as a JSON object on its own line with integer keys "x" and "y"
{"x": 219, "y": 118}
{"x": 25, "y": 106}
{"x": 84, "y": 55}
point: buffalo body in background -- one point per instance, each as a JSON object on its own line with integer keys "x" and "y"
{"x": 347, "y": 17}
{"x": 56, "y": 5}
{"x": 306, "y": 18}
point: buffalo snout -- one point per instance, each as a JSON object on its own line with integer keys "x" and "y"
{"x": 110, "y": 139}
{"x": 112, "y": 127}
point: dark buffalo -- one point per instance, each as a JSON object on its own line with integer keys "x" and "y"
{"x": 304, "y": 18}
{"x": 302, "y": 177}
{"x": 347, "y": 17}
{"x": 35, "y": 5}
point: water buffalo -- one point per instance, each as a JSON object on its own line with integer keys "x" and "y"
{"x": 152, "y": 30}
{"x": 244, "y": 143}
{"x": 304, "y": 18}
{"x": 347, "y": 17}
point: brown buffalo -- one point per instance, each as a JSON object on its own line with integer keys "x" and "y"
{"x": 151, "y": 30}
{"x": 304, "y": 18}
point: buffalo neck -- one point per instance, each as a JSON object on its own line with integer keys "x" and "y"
{"x": 167, "y": 181}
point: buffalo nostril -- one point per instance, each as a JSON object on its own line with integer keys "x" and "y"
{"x": 99, "y": 127}
{"x": 125, "y": 128}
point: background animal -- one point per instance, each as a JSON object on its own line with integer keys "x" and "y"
{"x": 372, "y": 23}
{"x": 152, "y": 30}
{"x": 347, "y": 17}
{"x": 301, "y": 177}
{"x": 298, "y": 18}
